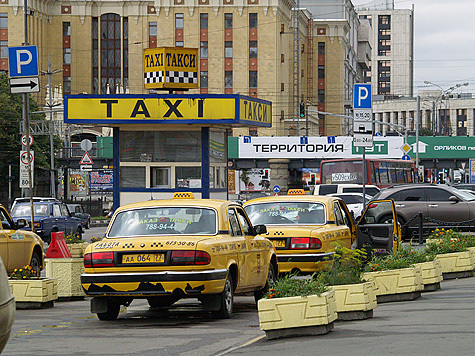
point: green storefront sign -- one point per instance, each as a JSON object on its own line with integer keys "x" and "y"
{"x": 443, "y": 147}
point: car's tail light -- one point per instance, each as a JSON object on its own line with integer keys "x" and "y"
{"x": 190, "y": 258}
{"x": 99, "y": 259}
{"x": 88, "y": 260}
{"x": 37, "y": 224}
{"x": 372, "y": 205}
{"x": 301, "y": 243}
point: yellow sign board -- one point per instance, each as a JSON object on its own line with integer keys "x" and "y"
{"x": 168, "y": 109}
{"x": 170, "y": 68}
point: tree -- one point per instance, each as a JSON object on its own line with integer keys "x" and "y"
{"x": 424, "y": 131}
{"x": 11, "y": 106}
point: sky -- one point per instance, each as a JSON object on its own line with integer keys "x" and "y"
{"x": 444, "y": 42}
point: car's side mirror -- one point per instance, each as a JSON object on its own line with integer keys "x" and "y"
{"x": 454, "y": 199}
{"x": 260, "y": 229}
{"x": 21, "y": 223}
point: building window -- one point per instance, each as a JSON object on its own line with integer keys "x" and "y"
{"x": 203, "y": 21}
{"x": 228, "y": 20}
{"x": 282, "y": 87}
{"x": 152, "y": 29}
{"x": 179, "y": 44}
{"x": 160, "y": 177}
{"x": 228, "y": 49}
{"x": 125, "y": 50}
{"x": 321, "y": 72}
{"x": 113, "y": 46}
{"x": 66, "y": 55}
{"x": 228, "y": 79}
{"x": 282, "y": 58}
{"x": 252, "y": 20}
{"x": 321, "y": 48}
{"x": 384, "y": 19}
{"x": 4, "y": 20}
{"x": 179, "y": 21}
{"x": 66, "y": 28}
{"x": 252, "y": 79}
{"x": 204, "y": 79}
{"x": 3, "y": 49}
{"x": 204, "y": 49}
{"x": 252, "y": 49}
{"x": 132, "y": 177}
{"x": 321, "y": 96}
{"x": 67, "y": 85}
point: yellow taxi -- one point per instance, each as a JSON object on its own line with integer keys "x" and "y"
{"x": 165, "y": 250}
{"x": 304, "y": 229}
{"x": 19, "y": 248}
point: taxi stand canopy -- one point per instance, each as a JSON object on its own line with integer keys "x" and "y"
{"x": 205, "y": 110}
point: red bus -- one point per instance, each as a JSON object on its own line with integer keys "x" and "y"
{"x": 379, "y": 172}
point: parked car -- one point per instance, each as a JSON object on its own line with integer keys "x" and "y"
{"x": 7, "y": 307}
{"x": 354, "y": 202}
{"x": 77, "y": 210}
{"x": 438, "y": 202}
{"x": 166, "y": 250}
{"x": 324, "y": 189}
{"x": 304, "y": 228}
{"x": 19, "y": 248}
{"x": 35, "y": 199}
{"x": 49, "y": 217}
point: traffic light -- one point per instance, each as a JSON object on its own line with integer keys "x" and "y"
{"x": 302, "y": 109}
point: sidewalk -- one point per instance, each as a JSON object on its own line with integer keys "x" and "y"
{"x": 99, "y": 223}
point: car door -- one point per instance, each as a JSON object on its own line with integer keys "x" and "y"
{"x": 409, "y": 202}
{"x": 244, "y": 265}
{"x": 382, "y": 237}
{"x": 4, "y": 239}
{"x": 70, "y": 223}
{"x": 58, "y": 218}
{"x": 13, "y": 249}
{"x": 440, "y": 208}
{"x": 256, "y": 256}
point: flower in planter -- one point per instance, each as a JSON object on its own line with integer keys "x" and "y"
{"x": 73, "y": 239}
{"x": 394, "y": 260}
{"x": 292, "y": 286}
{"x": 448, "y": 241}
{"x": 347, "y": 267}
{"x": 416, "y": 255}
{"x": 26, "y": 272}
{"x": 95, "y": 239}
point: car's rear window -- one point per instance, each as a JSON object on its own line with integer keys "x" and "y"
{"x": 274, "y": 213}
{"x": 164, "y": 221}
{"x": 24, "y": 210}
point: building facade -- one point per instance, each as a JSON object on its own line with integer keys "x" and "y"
{"x": 392, "y": 42}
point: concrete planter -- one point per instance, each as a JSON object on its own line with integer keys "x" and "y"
{"x": 77, "y": 250}
{"x": 68, "y": 272}
{"x": 457, "y": 264}
{"x": 295, "y": 316}
{"x": 34, "y": 293}
{"x": 431, "y": 274}
{"x": 396, "y": 285}
{"x": 355, "y": 301}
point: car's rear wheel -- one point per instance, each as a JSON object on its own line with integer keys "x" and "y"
{"x": 226, "y": 300}
{"x": 271, "y": 278}
{"x": 162, "y": 302}
{"x": 35, "y": 263}
{"x": 88, "y": 224}
{"x": 112, "y": 312}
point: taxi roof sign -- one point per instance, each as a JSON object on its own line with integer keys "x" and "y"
{"x": 170, "y": 68}
{"x": 183, "y": 195}
{"x": 296, "y": 192}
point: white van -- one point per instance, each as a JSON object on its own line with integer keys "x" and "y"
{"x": 324, "y": 189}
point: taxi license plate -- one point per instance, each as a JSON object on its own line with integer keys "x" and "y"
{"x": 278, "y": 243}
{"x": 144, "y": 258}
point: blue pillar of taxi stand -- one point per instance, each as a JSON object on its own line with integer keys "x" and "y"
{"x": 116, "y": 169}
{"x": 205, "y": 162}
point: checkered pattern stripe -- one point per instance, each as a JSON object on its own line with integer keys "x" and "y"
{"x": 171, "y": 76}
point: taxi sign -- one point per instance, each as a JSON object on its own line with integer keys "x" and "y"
{"x": 296, "y": 192}
{"x": 170, "y": 67}
{"x": 183, "y": 195}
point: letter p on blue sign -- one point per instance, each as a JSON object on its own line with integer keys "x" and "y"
{"x": 362, "y": 97}
{"x": 23, "y": 61}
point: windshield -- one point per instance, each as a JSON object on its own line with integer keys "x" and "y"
{"x": 164, "y": 221}
{"x": 24, "y": 210}
{"x": 275, "y": 213}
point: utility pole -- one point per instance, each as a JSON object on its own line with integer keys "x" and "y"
{"x": 296, "y": 59}
{"x": 418, "y": 119}
{"x": 49, "y": 73}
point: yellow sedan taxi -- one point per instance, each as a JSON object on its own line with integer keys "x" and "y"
{"x": 19, "y": 248}
{"x": 304, "y": 229}
{"x": 165, "y": 250}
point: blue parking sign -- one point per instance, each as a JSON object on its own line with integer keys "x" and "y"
{"x": 362, "y": 97}
{"x": 23, "y": 61}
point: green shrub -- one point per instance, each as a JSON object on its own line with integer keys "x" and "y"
{"x": 292, "y": 286}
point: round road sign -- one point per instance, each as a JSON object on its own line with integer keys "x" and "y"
{"x": 86, "y": 145}
{"x": 24, "y": 157}
{"x": 276, "y": 189}
{"x": 23, "y": 140}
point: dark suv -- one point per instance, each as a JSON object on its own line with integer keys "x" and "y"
{"x": 439, "y": 204}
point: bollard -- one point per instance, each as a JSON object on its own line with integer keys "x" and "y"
{"x": 421, "y": 217}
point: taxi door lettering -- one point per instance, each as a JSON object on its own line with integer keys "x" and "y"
{"x": 140, "y": 108}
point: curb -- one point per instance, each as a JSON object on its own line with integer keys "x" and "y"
{"x": 99, "y": 223}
